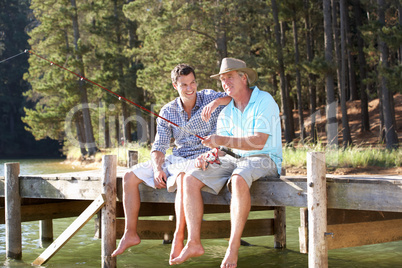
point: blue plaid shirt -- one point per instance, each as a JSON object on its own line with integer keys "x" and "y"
{"x": 186, "y": 145}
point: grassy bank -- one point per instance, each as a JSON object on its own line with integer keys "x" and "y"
{"x": 73, "y": 154}
{"x": 292, "y": 157}
{"x": 351, "y": 157}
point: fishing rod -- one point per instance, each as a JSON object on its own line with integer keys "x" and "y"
{"x": 114, "y": 93}
{"x": 224, "y": 149}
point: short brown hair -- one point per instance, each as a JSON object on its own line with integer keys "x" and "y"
{"x": 181, "y": 69}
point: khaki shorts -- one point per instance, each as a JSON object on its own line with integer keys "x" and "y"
{"x": 249, "y": 168}
{"x": 173, "y": 166}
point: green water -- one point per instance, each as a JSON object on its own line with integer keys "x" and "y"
{"x": 84, "y": 251}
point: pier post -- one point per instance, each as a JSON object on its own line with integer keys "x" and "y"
{"x": 13, "y": 211}
{"x": 317, "y": 210}
{"x": 280, "y": 227}
{"x": 45, "y": 231}
{"x": 108, "y": 215}
{"x": 132, "y": 158}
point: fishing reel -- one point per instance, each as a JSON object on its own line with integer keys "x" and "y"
{"x": 212, "y": 157}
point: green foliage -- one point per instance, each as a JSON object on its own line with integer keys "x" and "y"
{"x": 130, "y": 47}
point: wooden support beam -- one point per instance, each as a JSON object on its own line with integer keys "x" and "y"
{"x": 108, "y": 215}
{"x": 341, "y": 216}
{"x": 364, "y": 233}
{"x": 45, "y": 231}
{"x": 303, "y": 231}
{"x": 166, "y": 209}
{"x": 317, "y": 210}
{"x": 13, "y": 211}
{"x": 280, "y": 227}
{"x": 50, "y": 211}
{"x": 156, "y": 229}
{"x": 132, "y": 158}
{"x": 74, "y": 227}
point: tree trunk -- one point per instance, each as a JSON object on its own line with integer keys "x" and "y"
{"x": 347, "y": 139}
{"x": 351, "y": 65}
{"x": 79, "y": 126}
{"x": 365, "y": 126}
{"x": 391, "y": 136}
{"x": 220, "y": 31}
{"x": 298, "y": 83}
{"x": 283, "y": 28}
{"x": 336, "y": 34}
{"x": 284, "y": 98}
{"x": 126, "y": 124}
{"x": 332, "y": 124}
{"x": 400, "y": 24}
{"x": 310, "y": 80}
{"x": 89, "y": 136}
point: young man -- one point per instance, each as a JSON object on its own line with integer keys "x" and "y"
{"x": 161, "y": 171}
{"x": 250, "y": 125}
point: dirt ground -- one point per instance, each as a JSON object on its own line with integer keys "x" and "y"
{"x": 359, "y": 138}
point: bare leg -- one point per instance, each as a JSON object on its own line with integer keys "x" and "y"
{"x": 131, "y": 205}
{"x": 178, "y": 238}
{"x": 193, "y": 211}
{"x": 239, "y": 210}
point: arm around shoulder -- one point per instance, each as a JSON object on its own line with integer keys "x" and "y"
{"x": 211, "y": 107}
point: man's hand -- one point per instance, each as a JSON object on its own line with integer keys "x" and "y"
{"x": 208, "y": 110}
{"x": 160, "y": 179}
{"x": 211, "y": 141}
{"x": 200, "y": 161}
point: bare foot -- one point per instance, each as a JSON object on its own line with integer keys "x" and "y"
{"x": 191, "y": 250}
{"x": 177, "y": 247}
{"x": 128, "y": 240}
{"x": 230, "y": 260}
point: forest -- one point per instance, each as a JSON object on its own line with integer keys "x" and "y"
{"x": 308, "y": 54}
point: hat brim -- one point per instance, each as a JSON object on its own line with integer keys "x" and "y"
{"x": 252, "y": 75}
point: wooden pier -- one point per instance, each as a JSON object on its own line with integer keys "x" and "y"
{"x": 336, "y": 211}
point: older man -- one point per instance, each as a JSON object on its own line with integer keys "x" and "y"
{"x": 163, "y": 171}
{"x": 250, "y": 125}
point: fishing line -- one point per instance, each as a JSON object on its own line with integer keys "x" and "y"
{"x": 224, "y": 149}
{"x": 114, "y": 93}
{"x": 13, "y": 57}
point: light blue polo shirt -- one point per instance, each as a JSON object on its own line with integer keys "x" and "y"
{"x": 260, "y": 115}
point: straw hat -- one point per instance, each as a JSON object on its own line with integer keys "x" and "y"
{"x": 230, "y": 64}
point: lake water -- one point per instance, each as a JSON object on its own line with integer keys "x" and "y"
{"x": 84, "y": 251}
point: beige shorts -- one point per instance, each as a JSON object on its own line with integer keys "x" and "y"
{"x": 173, "y": 166}
{"x": 249, "y": 168}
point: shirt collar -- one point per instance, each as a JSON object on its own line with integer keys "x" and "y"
{"x": 253, "y": 97}
{"x": 254, "y": 94}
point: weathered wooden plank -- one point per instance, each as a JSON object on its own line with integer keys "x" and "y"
{"x": 167, "y": 209}
{"x": 365, "y": 196}
{"x": 95, "y": 206}
{"x": 342, "y": 216}
{"x": 378, "y": 193}
{"x": 50, "y": 210}
{"x": 365, "y": 233}
{"x": 36, "y": 187}
{"x": 157, "y": 229}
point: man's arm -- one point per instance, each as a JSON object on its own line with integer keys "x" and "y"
{"x": 211, "y": 107}
{"x": 158, "y": 158}
{"x": 253, "y": 142}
